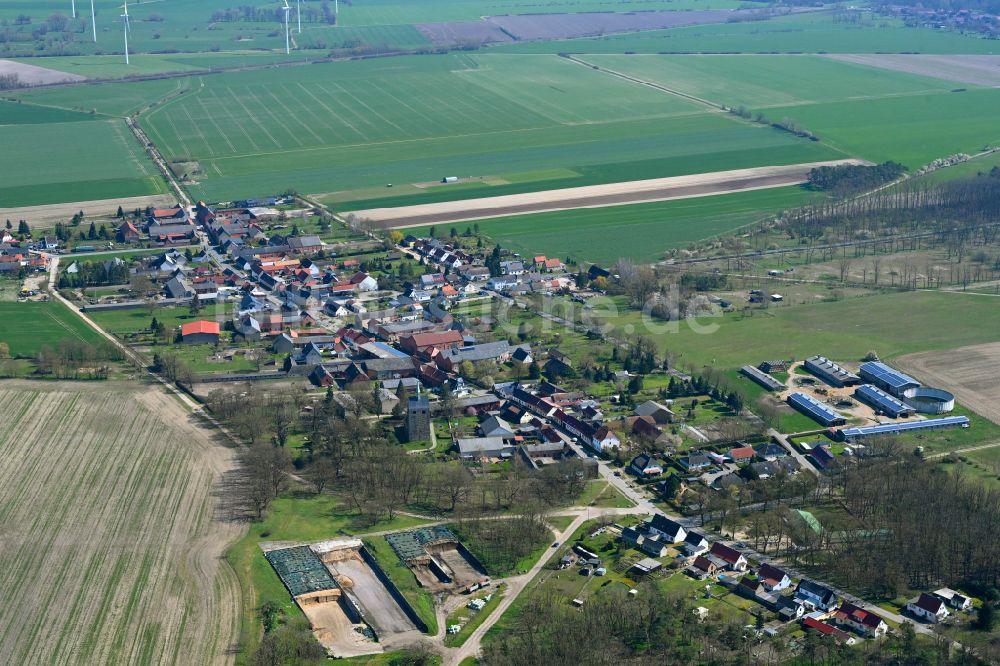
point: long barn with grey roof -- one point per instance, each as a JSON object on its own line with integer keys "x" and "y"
{"x": 830, "y": 372}
{"x": 762, "y": 378}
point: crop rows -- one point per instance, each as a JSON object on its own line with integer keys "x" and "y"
{"x": 112, "y": 547}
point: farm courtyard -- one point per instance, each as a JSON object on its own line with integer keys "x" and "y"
{"x": 113, "y": 542}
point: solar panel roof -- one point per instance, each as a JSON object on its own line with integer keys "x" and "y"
{"x": 887, "y": 375}
{"x": 881, "y": 400}
{"x": 891, "y": 428}
{"x": 814, "y": 408}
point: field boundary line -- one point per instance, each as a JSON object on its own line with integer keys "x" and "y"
{"x": 643, "y": 82}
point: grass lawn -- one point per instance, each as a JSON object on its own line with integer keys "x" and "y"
{"x": 403, "y": 578}
{"x": 124, "y": 322}
{"x": 29, "y": 326}
{"x": 600, "y": 493}
{"x": 297, "y": 516}
{"x": 560, "y": 522}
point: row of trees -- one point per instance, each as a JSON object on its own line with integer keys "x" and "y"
{"x": 72, "y": 359}
{"x": 95, "y": 273}
{"x": 845, "y": 179}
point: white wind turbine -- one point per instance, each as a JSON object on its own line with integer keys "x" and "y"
{"x": 298, "y": 13}
{"x": 74, "y": 8}
{"x": 288, "y": 46}
{"x": 93, "y": 20}
{"x": 126, "y": 31}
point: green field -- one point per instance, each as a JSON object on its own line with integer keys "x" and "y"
{"x": 58, "y": 162}
{"x": 27, "y": 327}
{"x": 360, "y": 124}
{"x": 806, "y": 33}
{"x": 911, "y": 130}
{"x": 891, "y": 324}
{"x": 114, "y": 67}
{"x": 762, "y": 81}
{"x": 641, "y": 231}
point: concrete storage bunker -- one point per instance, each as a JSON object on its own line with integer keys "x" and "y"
{"x": 437, "y": 558}
{"x": 350, "y": 602}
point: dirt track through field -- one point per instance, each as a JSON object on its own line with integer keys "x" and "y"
{"x": 980, "y": 70}
{"x": 112, "y": 533}
{"x": 968, "y": 372}
{"x": 44, "y": 217}
{"x": 33, "y": 75}
{"x": 595, "y": 196}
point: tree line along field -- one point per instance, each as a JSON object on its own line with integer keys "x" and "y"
{"x": 51, "y": 158}
{"x": 641, "y": 232}
{"x": 113, "y": 543}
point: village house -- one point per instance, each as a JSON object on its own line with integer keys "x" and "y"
{"x": 695, "y": 544}
{"x": 954, "y": 599}
{"x": 644, "y": 466}
{"x": 773, "y": 578}
{"x": 200, "y": 332}
{"x": 421, "y": 342}
{"x": 814, "y": 595}
{"x": 734, "y": 560}
{"x": 827, "y": 630}
{"x": 669, "y": 530}
{"x": 929, "y": 608}
{"x": 864, "y": 622}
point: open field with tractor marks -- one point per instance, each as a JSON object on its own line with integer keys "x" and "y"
{"x": 60, "y": 162}
{"x": 967, "y": 372}
{"x": 363, "y": 124}
{"x": 114, "y": 533}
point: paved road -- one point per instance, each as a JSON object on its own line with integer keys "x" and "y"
{"x": 799, "y": 458}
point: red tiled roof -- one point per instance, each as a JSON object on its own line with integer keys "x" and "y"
{"x": 724, "y": 552}
{"x": 859, "y": 615}
{"x": 821, "y": 627}
{"x": 432, "y": 339}
{"x": 200, "y": 327}
{"x": 741, "y": 453}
